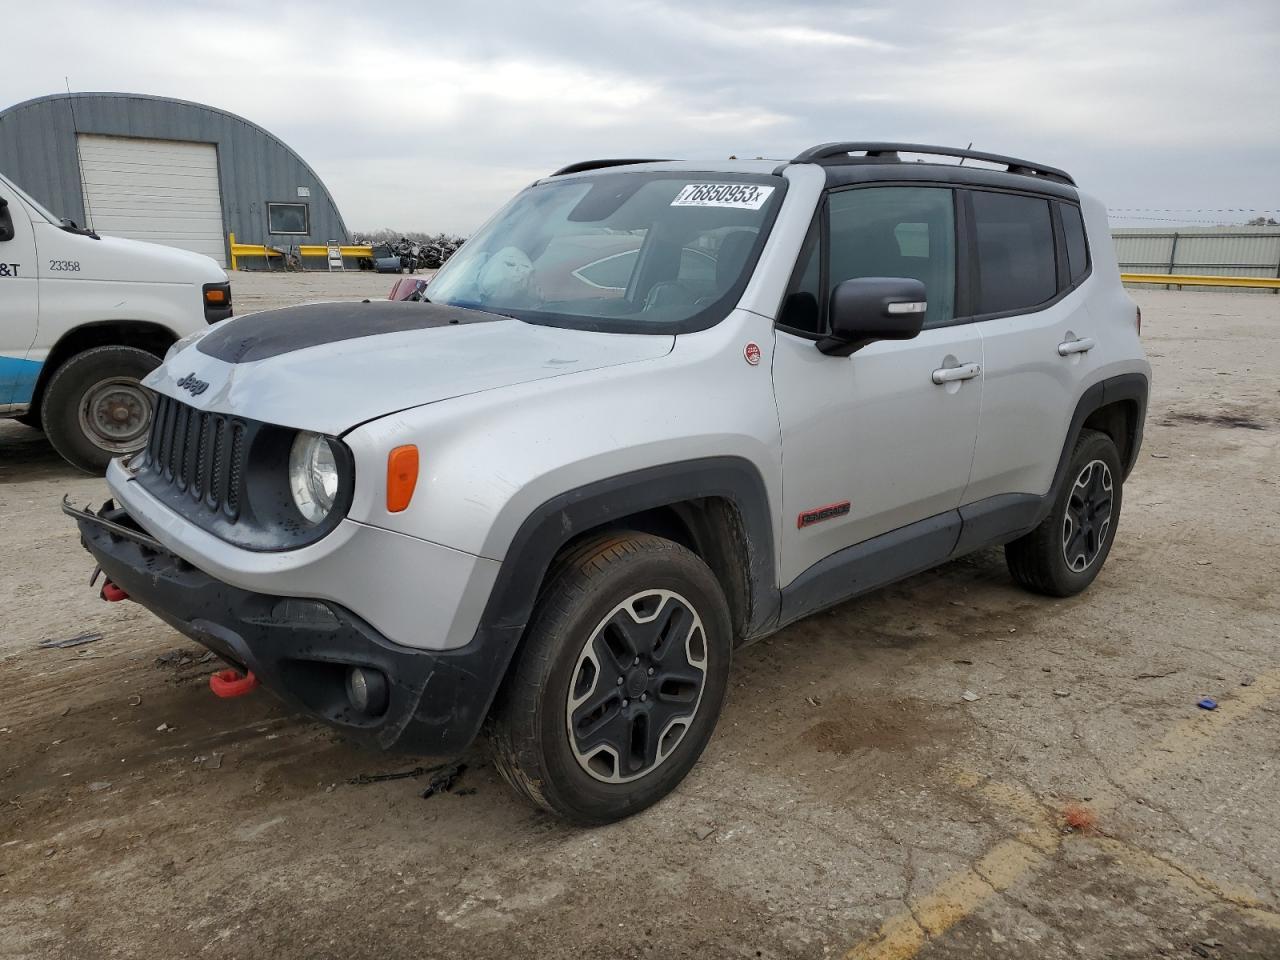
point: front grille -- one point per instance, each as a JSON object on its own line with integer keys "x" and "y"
{"x": 199, "y": 454}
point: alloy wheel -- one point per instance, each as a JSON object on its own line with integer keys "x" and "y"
{"x": 1088, "y": 516}
{"x": 636, "y": 686}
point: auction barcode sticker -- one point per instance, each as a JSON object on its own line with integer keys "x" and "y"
{"x": 742, "y": 196}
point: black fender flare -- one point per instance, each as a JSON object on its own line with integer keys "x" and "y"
{"x": 557, "y": 521}
{"x": 1126, "y": 386}
{"x": 560, "y": 519}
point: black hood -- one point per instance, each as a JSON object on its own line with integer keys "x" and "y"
{"x": 260, "y": 336}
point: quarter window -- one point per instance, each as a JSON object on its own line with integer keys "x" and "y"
{"x": 1077, "y": 248}
{"x": 1016, "y": 265}
{"x": 287, "y": 218}
{"x": 897, "y": 232}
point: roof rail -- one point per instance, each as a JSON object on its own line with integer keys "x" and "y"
{"x": 888, "y": 153}
{"x": 583, "y": 165}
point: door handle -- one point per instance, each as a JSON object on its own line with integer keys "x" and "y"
{"x": 966, "y": 371}
{"x": 1081, "y": 345}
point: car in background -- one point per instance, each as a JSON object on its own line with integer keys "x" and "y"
{"x": 83, "y": 319}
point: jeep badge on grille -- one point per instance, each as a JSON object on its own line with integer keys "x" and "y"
{"x": 194, "y": 384}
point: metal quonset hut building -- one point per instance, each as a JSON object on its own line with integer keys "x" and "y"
{"x": 167, "y": 171}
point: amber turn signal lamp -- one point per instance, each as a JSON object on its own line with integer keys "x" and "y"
{"x": 215, "y": 295}
{"x": 402, "y": 477}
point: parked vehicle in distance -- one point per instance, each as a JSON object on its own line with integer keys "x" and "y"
{"x": 83, "y": 319}
{"x": 554, "y": 508}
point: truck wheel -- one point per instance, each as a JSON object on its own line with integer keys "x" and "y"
{"x": 620, "y": 680}
{"x": 1063, "y": 555}
{"x": 95, "y": 409}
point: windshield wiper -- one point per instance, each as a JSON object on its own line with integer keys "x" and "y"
{"x": 477, "y": 305}
{"x": 72, "y": 227}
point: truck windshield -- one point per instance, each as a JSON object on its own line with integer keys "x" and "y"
{"x": 31, "y": 202}
{"x": 634, "y": 252}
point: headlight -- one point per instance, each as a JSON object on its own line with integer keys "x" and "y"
{"x": 313, "y": 476}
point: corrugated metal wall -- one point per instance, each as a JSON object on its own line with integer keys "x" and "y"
{"x": 1212, "y": 251}
{"x": 38, "y": 152}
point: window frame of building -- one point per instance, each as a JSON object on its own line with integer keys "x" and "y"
{"x": 306, "y": 219}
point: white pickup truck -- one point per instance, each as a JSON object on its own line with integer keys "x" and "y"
{"x": 83, "y": 319}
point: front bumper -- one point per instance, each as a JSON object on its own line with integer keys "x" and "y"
{"x": 301, "y": 649}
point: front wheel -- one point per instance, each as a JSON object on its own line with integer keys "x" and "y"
{"x": 95, "y": 408}
{"x": 619, "y": 683}
{"x": 1063, "y": 555}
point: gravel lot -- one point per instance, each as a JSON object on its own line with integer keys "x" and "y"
{"x": 851, "y": 804}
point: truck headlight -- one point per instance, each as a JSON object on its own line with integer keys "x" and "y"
{"x": 313, "y": 475}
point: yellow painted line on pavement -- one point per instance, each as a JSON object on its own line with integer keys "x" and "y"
{"x": 903, "y": 935}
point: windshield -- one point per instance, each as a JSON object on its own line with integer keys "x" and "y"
{"x": 620, "y": 252}
{"x": 32, "y": 203}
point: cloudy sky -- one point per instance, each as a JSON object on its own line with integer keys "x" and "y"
{"x": 428, "y": 115}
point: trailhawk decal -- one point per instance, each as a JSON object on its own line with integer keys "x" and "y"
{"x": 810, "y": 517}
{"x": 740, "y": 196}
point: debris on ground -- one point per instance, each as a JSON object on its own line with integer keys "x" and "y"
{"x": 444, "y": 779}
{"x": 814, "y": 701}
{"x": 970, "y": 696}
{"x": 964, "y": 663}
{"x": 175, "y": 658}
{"x": 1078, "y": 817}
{"x": 1208, "y": 703}
{"x": 362, "y": 779}
{"x": 209, "y": 655}
{"x": 1062, "y": 693}
{"x": 165, "y": 728}
{"x": 1156, "y": 676}
{"x": 75, "y": 641}
{"x": 211, "y": 762}
{"x": 1247, "y": 682}
{"x": 1160, "y": 456}
{"x": 98, "y": 785}
{"x": 704, "y": 831}
{"x": 135, "y": 699}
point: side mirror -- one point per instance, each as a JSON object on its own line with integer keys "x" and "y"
{"x": 6, "y": 221}
{"x": 866, "y": 309}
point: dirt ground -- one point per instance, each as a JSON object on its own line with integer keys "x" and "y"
{"x": 852, "y": 803}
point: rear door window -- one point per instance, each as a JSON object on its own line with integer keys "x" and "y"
{"x": 1017, "y": 269}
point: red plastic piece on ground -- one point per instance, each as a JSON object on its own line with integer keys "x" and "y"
{"x": 111, "y": 593}
{"x": 232, "y": 683}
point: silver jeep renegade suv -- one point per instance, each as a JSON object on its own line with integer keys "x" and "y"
{"x": 650, "y": 412}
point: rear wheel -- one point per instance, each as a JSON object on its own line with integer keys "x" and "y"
{"x": 1064, "y": 554}
{"x": 95, "y": 408}
{"x": 620, "y": 680}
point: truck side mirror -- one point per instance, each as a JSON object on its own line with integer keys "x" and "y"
{"x": 6, "y": 221}
{"x": 866, "y": 309}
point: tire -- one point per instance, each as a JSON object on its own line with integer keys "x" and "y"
{"x": 572, "y": 691}
{"x": 1066, "y": 551}
{"x": 86, "y": 396}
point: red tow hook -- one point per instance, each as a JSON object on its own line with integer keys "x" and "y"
{"x": 111, "y": 593}
{"x": 232, "y": 683}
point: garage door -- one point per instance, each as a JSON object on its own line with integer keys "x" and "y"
{"x": 162, "y": 191}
